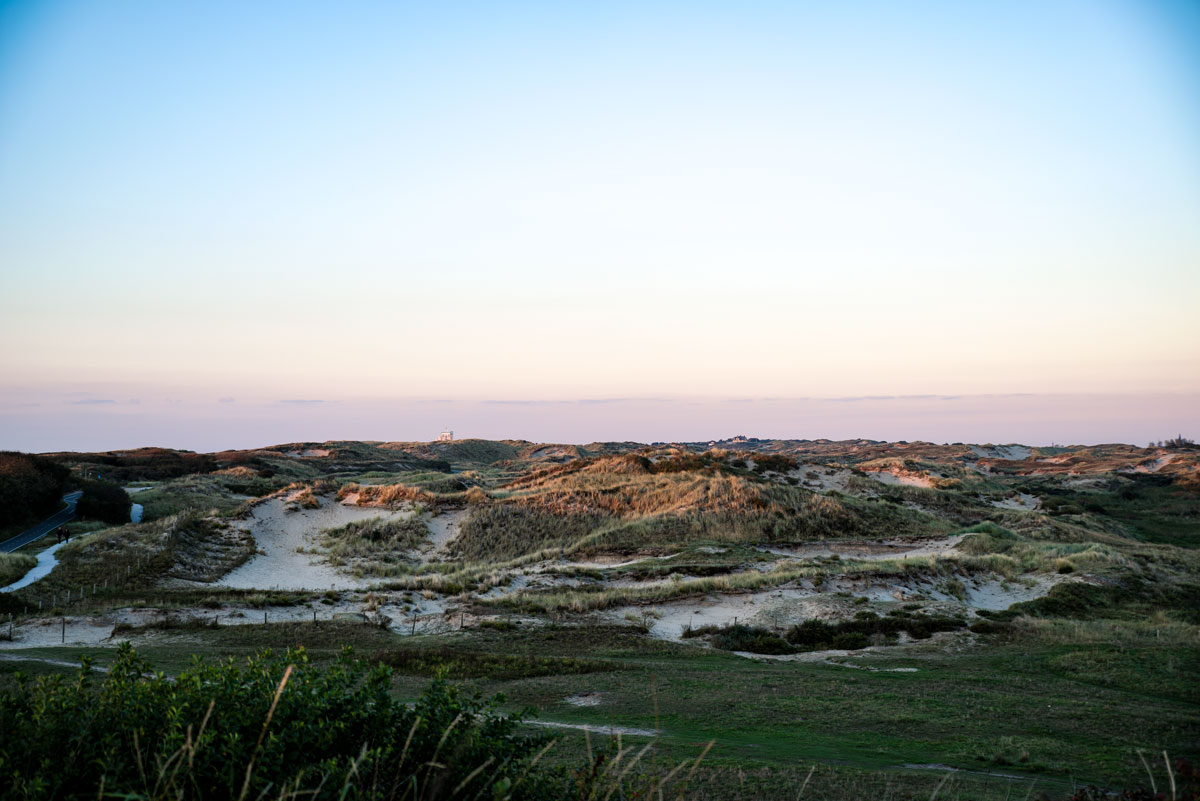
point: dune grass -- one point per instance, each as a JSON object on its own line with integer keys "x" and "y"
{"x": 15, "y": 565}
{"x": 190, "y": 493}
{"x": 376, "y": 547}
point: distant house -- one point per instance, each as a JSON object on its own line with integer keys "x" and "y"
{"x": 446, "y": 436}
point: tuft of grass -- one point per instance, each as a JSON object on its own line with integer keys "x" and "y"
{"x": 376, "y": 547}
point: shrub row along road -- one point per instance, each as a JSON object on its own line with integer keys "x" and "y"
{"x": 46, "y": 526}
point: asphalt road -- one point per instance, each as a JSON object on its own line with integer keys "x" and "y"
{"x": 45, "y": 527}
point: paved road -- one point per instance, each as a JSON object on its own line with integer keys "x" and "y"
{"x": 46, "y": 526}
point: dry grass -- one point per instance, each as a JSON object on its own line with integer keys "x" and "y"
{"x": 386, "y": 495}
{"x": 15, "y": 565}
{"x": 629, "y": 503}
{"x": 376, "y": 547}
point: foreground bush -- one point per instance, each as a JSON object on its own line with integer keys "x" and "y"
{"x": 271, "y": 727}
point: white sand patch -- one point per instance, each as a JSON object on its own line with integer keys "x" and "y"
{"x": 821, "y": 478}
{"x": 997, "y": 594}
{"x": 828, "y": 657}
{"x": 1022, "y": 501}
{"x": 783, "y": 607}
{"x": 1088, "y": 482}
{"x": 898, "y": 478}
{"x": 278, "y": 533}
{"x": 585, "y": 699}
{"x": 595, "y": 729}
{"x": 52, "y": 631}
{"x": 1012, "y": 453}
{"x": 443, "y": 530}
{"x": 869, "y": 551}
{"x": 1151, "y": 465}
{"x": 602, "y": 562}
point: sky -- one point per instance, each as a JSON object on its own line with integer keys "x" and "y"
{"x": 231, "y": 224}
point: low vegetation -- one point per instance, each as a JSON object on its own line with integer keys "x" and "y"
{"x": 376, "y": 547}
{"x": 461, "y": 664}
{"x": 276, "y": 725}
{"x": 866, "y": 629}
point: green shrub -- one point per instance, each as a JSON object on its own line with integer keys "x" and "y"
{"x": 850, "y": 641}
{"x": 250, "y": 730}
{"x": 819, "y": 635}
{"x": 740, "y": 637}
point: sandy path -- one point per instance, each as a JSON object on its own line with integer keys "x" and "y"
{"x": 46, "y": 561}
{"x": 823, "y": 478}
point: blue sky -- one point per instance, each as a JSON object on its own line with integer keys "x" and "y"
{"x": 565, "y": 201}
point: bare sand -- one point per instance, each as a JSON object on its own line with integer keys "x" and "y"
{"x": 278, "y": 533}
{"x": 1011, "y": 453}
{"x": 1022, "y": 501}
{"x": 902, "y": 479}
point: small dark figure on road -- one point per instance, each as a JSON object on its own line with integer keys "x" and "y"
{"x": 58, "y": 534}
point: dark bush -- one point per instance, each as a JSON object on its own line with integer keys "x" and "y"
{"x": 815, "y": 635}
{"x": 850, "y": 641}
{"x": 740, "y": 637}
{"x": 104, "y": 501}
{"x": 143, "y": 463}
{"x": 31, "y": 487}
{"x": 773, "y": 462}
